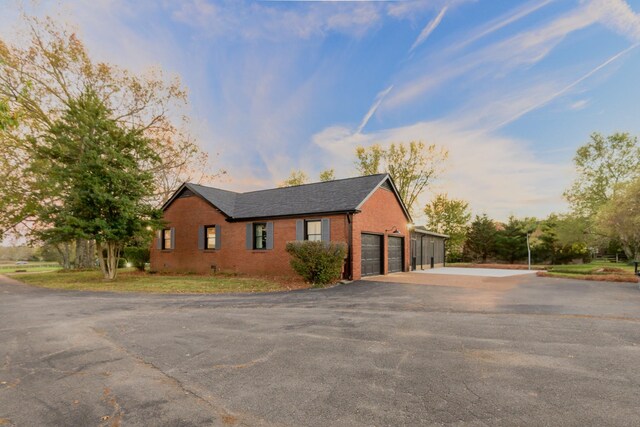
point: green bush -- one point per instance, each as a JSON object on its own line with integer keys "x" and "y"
{"x": 318, "y": 262}
{"x": 137, "y": 256}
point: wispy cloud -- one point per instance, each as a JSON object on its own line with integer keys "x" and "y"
{"x": 579, "y": 105}
{"x": 547, "y": 99}
{"x": 428, "y": 29}
{"x": 264, "y": 21}
{"x": 516, "y": 51}
{"x": 411, "y": 9}
{"x": 618, "y": 16}
{"x": 501, "y": 22}
{"x": 374, "y": 107}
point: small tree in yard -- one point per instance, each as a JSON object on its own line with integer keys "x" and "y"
{"x": 451, "y": 217}
{"x": 481, "y": 238}
{"x": 511, "y": 242}
{"x": 318, "y": 262}
{"x": 562, "y": 239}
{"x": 95, "y": 163}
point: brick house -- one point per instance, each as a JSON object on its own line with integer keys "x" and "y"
{"x": 209, "y": 229}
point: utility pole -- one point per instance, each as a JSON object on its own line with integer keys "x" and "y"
{"x": 529, "y": 250}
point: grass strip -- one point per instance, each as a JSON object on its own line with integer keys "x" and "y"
{"x": 133, "y": 281}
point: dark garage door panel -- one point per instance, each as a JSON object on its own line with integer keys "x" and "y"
{"x": 395, "y": 254}
{"x": 371, "y": 246}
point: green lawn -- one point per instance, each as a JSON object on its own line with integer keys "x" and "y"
{"x": 131, "y": 281}
{"x": 595, "y": 271}
{"x": 595, "y": 267}
{"x": 30, "y": 267}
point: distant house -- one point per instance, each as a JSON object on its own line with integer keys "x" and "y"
{"x": 210, "y": 229}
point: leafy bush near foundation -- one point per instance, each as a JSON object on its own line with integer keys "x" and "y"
{"x": 319, "y": 263}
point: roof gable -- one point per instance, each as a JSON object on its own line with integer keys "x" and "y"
{"x": 222, "y": 200}
{"x": 389, "y": 185}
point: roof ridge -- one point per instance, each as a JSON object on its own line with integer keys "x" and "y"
{"x": 315, "y": 183}
{"x": 215, "y": 188}
{"x": 290, "y": 186}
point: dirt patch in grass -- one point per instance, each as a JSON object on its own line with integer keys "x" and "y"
{"x": 614, "y": 270}
{"x": 620, "y": 278}
{"x": 135, "y": 281}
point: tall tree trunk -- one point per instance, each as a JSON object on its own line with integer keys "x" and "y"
{"x": 108, "y": 256}
{"x": 631, "y": 250}
{"x": 85, "y": 250}
{"x": 64, "y": 250}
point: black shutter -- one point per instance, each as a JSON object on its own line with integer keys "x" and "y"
{"x": 270, "y": 235}
{"x": 300, "y": 229}
{"x": 326, "y": 230}
{"x": 250, "y": 236}
{"x": 201, "y": 237}
{"x": 218, "y": 236}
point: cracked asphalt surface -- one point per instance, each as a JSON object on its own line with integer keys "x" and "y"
{"x": 525, "y": 351}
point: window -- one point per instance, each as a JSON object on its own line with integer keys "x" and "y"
{"x": 313, "y": 230}
{"x": 166, "y": 239}
{"x": 260, "y": 235}
{"x": 210, "y": 237}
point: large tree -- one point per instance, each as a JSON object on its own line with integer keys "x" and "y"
{"x": 620, "y": 218}
{"x": 412, "y": 166}
{"x": 369, "y": 160}
{"x": 95, "y": 164}
{"x": 601, "y": 166}
{"x": 42, "y": 73}
{"x": 451, "y": 217}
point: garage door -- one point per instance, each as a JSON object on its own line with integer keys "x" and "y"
{"x": 395, "y": 254}
{"x": 371, "y": 254}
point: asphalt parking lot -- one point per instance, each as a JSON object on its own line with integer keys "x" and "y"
{"x": 467, "y": 352}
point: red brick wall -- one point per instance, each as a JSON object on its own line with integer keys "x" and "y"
{"x": 188, "y": 213}
{"x": 380, "y": 214}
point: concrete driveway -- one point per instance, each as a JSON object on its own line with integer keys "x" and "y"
{"x": 480, "y": 272}
{"x": 529, "y": 351}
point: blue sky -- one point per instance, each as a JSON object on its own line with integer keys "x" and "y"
{"x": 510, "y": 88}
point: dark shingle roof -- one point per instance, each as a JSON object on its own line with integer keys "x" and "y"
{"x": 222, "y": 199}
{"x": 342, "y": 195}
